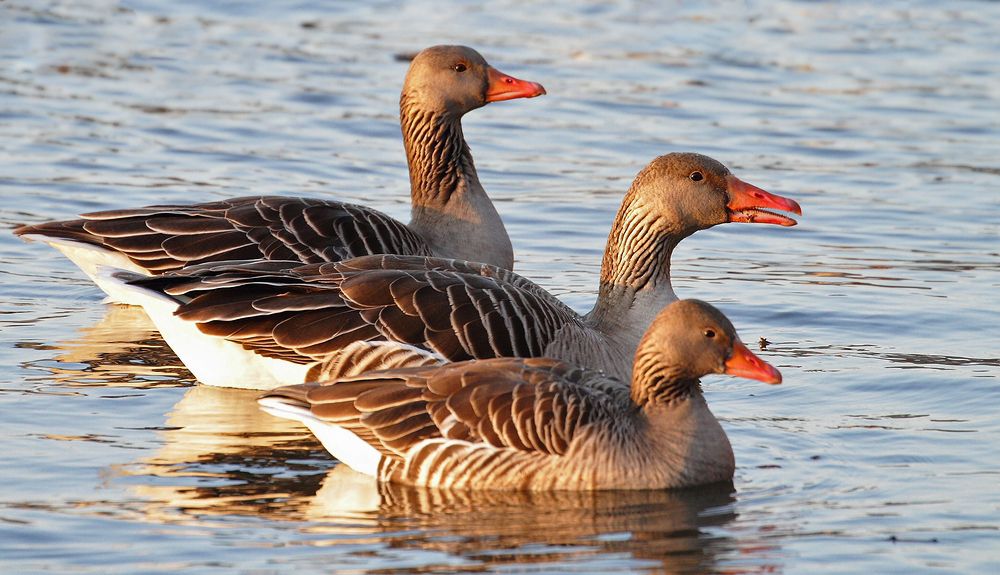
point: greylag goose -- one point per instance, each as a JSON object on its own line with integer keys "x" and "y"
{"x": 451, "y": 215}
{"x": 539, "y": 423}
{"x": 264, "y": 324}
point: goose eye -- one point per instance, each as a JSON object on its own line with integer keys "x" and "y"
{"x": 709, "y": 333}
{"x": 460, "y": 67}
{"x": 696, "y": 176}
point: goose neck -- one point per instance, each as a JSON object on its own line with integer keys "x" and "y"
{"x": 438, "y": 157}
{"x": 637, "y": 255}
{"x": 635, "y": 286}
{"x": 451, "y": 211}
{"x": 659, "y": 385}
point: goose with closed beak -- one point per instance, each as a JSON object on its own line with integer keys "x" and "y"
{"x": 539, "y": 423}
{"x": 451, "y": 214}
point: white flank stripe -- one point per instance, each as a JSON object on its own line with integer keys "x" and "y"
{"x": 212, "y": 360}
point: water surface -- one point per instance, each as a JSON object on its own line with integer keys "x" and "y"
{"x": 877, "y": 454}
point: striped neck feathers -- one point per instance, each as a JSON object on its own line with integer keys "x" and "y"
{"x": 635, "y": 272}
{"x": 656, "y": 381}
{"x": 438, "y": 156}
{"x": 642, "y": 239}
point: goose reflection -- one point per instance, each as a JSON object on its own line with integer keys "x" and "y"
{"x": 216, "y": 453}
{"x": 220, "y": 455}
{"x": 521, "y": 527}
{"x": 122, "y": 349}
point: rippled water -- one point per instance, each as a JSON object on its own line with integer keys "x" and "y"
{"x": 877, "y": 455}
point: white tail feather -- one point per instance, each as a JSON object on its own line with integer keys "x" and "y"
{"x": 90, "y": 259}
{"x": 341, "y": 443}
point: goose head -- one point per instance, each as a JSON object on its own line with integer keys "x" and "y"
{"x": 453, "y": 80}
{"x": 687, "y": 340}
{"x": 693, "y": 192}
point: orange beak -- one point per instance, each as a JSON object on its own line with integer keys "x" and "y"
{"x": 504, "y": 87}
{"x": 746, "y": 201}
{"x": 743, "y": 363}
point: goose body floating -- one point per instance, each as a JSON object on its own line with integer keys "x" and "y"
{"x": 451, "y": 215}
{"x": 538, "y": 423}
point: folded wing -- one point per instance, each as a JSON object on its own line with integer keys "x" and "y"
{"x": 306, "y": 313}
{"x": 535, "y": 405}
{"x": 165, "y": 238}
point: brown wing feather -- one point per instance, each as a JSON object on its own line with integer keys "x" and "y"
{"x": 456, "y": 309}
{"x": 164, "y": 238}
{"x": 488, "y": 401}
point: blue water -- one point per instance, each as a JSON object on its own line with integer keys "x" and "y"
{"x": 877, "y": 454}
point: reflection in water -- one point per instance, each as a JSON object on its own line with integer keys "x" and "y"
{"x": 502, "y": 527}
{"x": 221, "y": 456}
{"x": 123, "y": 349}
